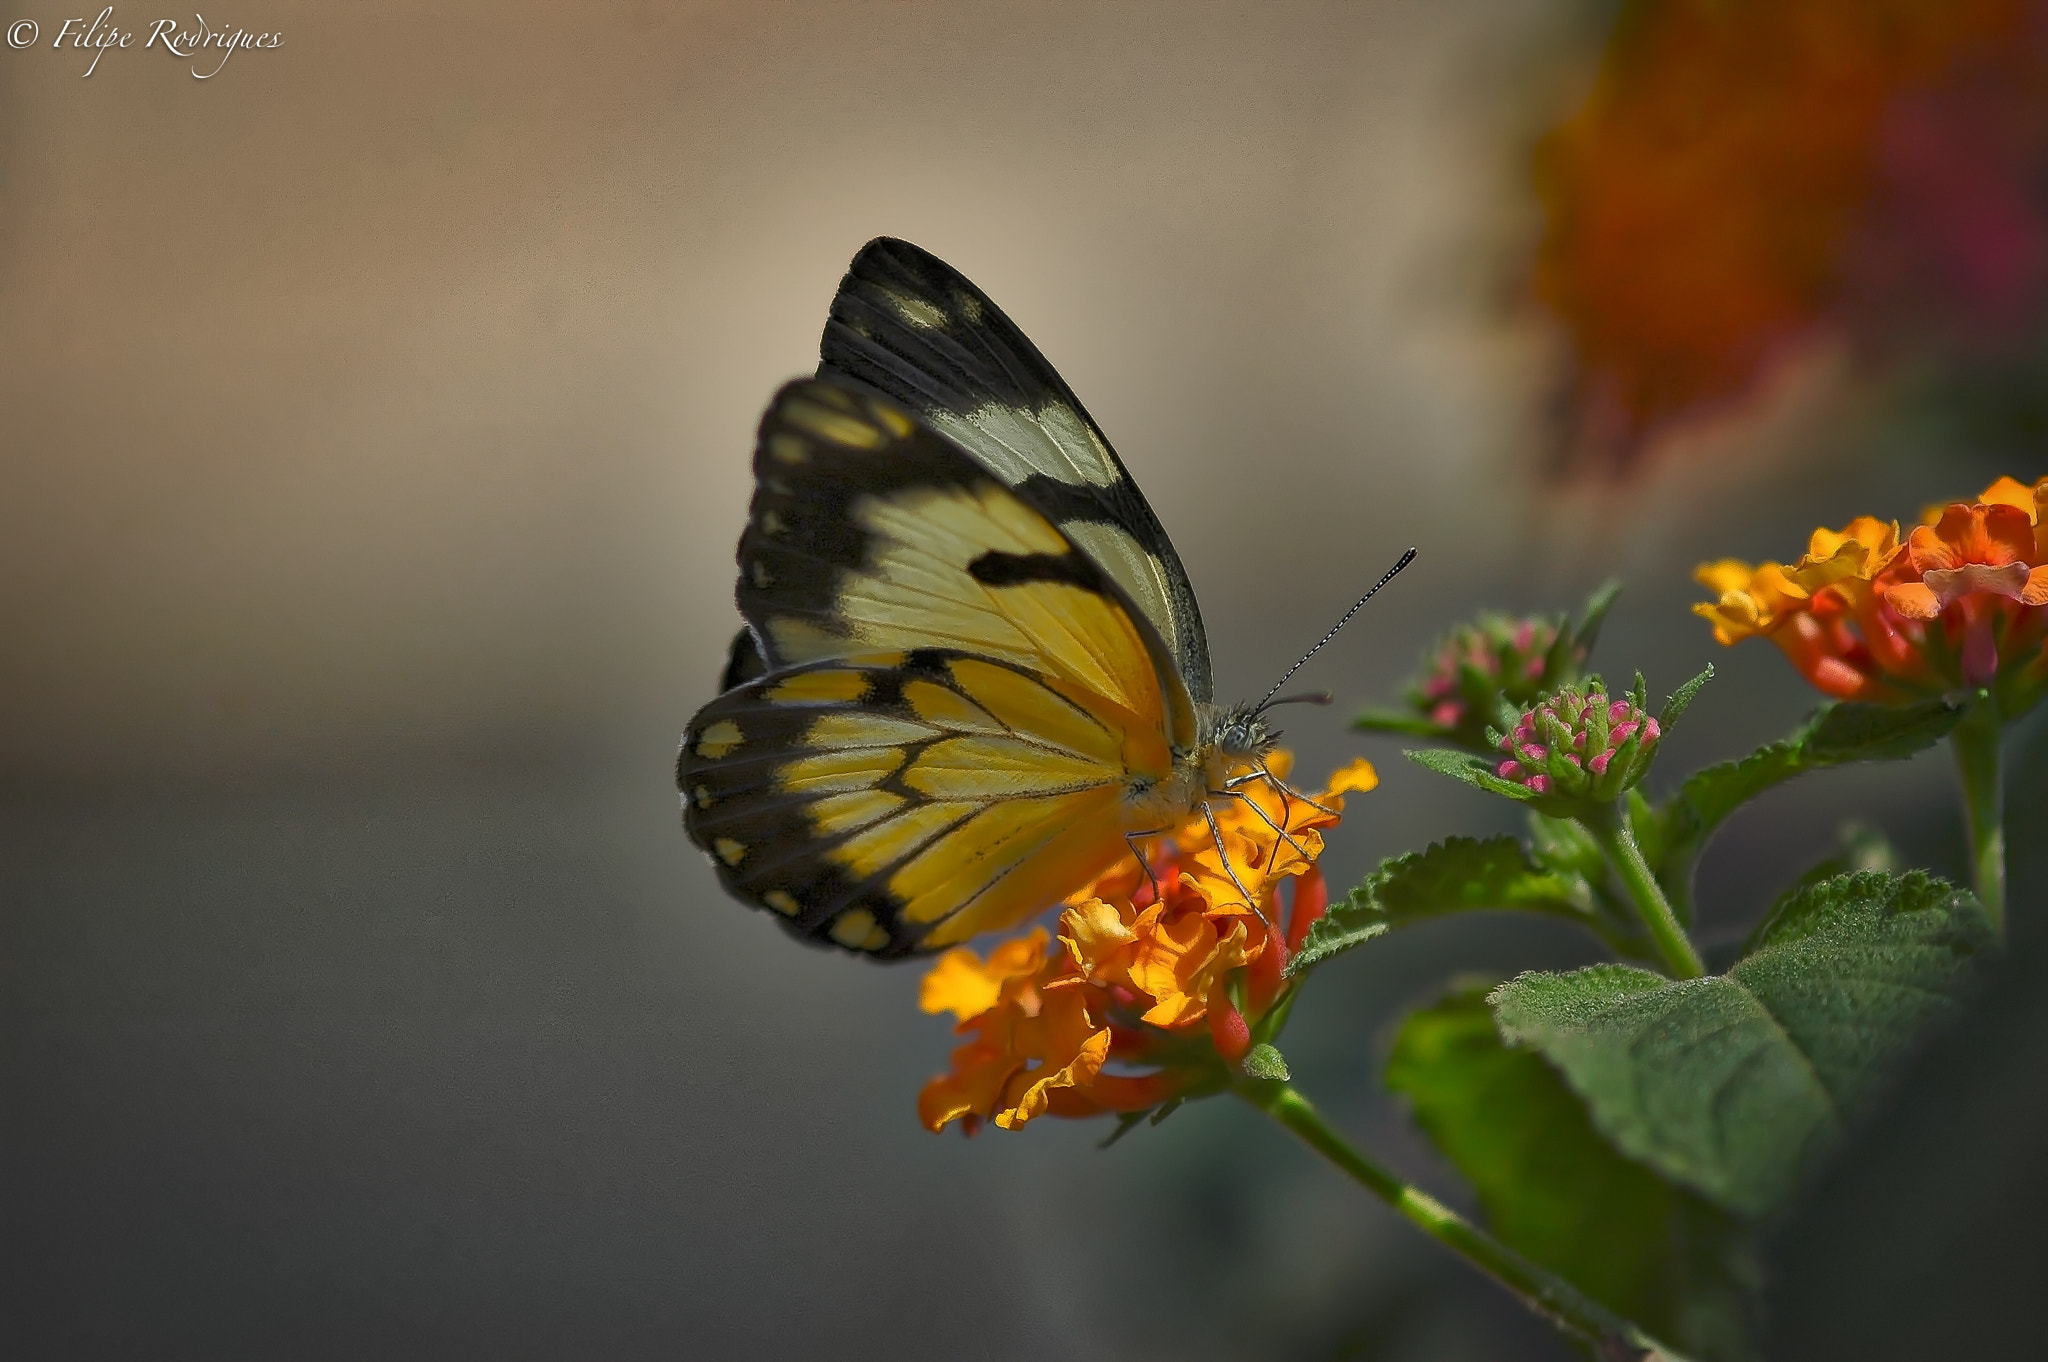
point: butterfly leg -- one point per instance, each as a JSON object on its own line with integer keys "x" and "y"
{"x": 1144, "y": 862}
{"x": 1253, "y": 804}
{"x": 1223, "y": 854}
{"x": 1281, "y": 787}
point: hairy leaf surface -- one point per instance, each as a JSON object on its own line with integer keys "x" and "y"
{"x": 1735, "y": 1084}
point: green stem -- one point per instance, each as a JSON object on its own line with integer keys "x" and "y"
{"x": 1611, "y": 829}
{"x": 1549, "y": 1295}
{"x": 1976, "y": 742}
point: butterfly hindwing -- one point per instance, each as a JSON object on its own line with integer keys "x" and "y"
{"x": 898, "y": 802}
{"x": 910, "y": 326}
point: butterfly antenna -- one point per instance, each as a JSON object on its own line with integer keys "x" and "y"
{"x": 1391, "y": 573}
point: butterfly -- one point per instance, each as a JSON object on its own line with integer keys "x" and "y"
{"x": 973, "y": 675}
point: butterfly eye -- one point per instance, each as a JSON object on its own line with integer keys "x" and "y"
{"x": 1242, "y": 736}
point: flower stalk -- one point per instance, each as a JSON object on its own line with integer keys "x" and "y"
{"x": 1556, "y": 1300}
{"x": 1609, "y": 824}
{"x": 1976, "y": 744}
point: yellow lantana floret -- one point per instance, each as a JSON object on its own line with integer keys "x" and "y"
{"x": 1146, "y": 953}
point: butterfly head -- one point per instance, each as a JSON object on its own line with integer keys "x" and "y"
{"x": 1243, "y": 736}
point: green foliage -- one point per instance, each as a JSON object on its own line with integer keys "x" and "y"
{"x": 1553, "y": 1189}
{"x": 1624, "y": 1130}
{"x": 1681, "y": 699}
{"x": 1734, "y": 1085}
{"x": 1859, "y": 848}
{"x": 1473, "y": 770}
{"x": 1592, "y": 615}
{"x": 1459, "y": 875}
{"x": 1835, "y": 734}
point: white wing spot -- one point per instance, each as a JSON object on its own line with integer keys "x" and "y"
{"x": 1014, "y": 443}
{"x": 916, "y": 311}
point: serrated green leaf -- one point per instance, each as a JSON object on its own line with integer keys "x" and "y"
{"x": 1346, "y": 925}
{"x": 1850, "y": 732}
{"x": 1681, "y": 699}
{"x": 1458, "y": 875}
{"x": 1860, "y": 848}
{"x": 1735, "y": 1084}
{"x": 1833, "y": 735}
{"x": 1552, "y": 1188}
{"x": 1263, "y": 1061}
{"x": 1471, "y": 769}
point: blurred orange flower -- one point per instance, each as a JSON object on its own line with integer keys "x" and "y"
{"x": 1704, "y": 204}
{"x": 1161, "y": 970}
{"x": 1864, "y": 616}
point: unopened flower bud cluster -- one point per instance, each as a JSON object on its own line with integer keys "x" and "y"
{"x": 1580, "y": 743}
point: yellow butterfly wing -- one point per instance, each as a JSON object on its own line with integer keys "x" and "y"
{"x": 957, "y": 699}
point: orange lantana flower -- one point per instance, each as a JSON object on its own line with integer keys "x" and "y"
{"x": 1160, "y": 971}
{"x": 1864, "y": 616}
{"x": 1710, "y": 205}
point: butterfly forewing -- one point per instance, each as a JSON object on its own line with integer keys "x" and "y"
{"x": 910, "y": 326}
{"x": 956, "y": 697}
{"x": 869, "y": 532}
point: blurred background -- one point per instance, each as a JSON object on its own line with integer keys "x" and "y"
{"x": 375, "y": 416}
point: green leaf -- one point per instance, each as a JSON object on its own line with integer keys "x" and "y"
{"x": 1459, "y": 875}
{"x": 1735, "y": 1084}
{"x": 1861, "y": 847}
{"x": 1681, "y": 699}
{"x": 1552, "y": 1188}
{"x": 1833, "y": 735}
{"x": 1126, "y": 1122}
{"x": 1471, "y": 769}
{"x": 1593, "y": 614}
{"x": 1378, "y": 720}
{"x": 1263, "y": 1061}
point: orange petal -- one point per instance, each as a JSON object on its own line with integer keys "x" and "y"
{"x": 1977, "y": 579}
{"x": 2036, "y": 592}
{"x": 1724, "y": 575}
{"x": 1861, "y": 549}
{"x": 1358, "y": 776}
{"x": 1094, "y": 933}
{"x": 1913, "y": 600}
{"x": 2010, "y": 491}
{"x": 1929, "y": 546}
{"x": 1991, "y": 535}
{"x": 1035, "y": 1098}
{"x": 960, "y": 983}
{"x": 1167, "y": 960}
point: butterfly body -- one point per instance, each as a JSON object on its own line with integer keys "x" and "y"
{"x": 973, "y": 669}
